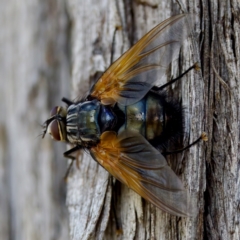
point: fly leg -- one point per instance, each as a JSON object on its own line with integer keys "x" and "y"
{"x": 115, "y": 187}
{"x": 202, "y": 137}
{"x": 67, "y": 154}
{"x": 194, "y": 66}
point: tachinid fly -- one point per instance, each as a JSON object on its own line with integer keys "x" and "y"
{"x": 125, "y": 119}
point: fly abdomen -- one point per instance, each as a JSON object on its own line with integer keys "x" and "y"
{"x": 135, "y": 116}
{"x": 145, "y": 116}
{"x": 165, "y": 121}
{"x": 157, "y": 119}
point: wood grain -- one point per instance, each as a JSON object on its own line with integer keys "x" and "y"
{"x": 49, "y": 47}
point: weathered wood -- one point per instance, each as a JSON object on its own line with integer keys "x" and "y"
{"x": 221, "y": 73}
{"x": 34, "y": 66}
{"x": 209, "y": 171}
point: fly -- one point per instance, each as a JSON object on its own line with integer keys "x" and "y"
{"x": 125, "y": 120}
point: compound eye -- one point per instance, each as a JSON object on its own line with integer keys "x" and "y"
{"x": 54, "y": 111}
{"x": 54, "y": 130}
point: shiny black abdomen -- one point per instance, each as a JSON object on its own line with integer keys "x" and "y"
{"x": 155, "y": 117}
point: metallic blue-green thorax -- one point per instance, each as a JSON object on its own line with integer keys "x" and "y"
{"x": 86, "y": 121}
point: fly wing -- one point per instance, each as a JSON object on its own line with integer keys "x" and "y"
{"x": 133, "y": 161}
{"x": 131, "y": 76}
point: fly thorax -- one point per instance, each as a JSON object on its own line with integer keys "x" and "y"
{"x": 82, "y": 122}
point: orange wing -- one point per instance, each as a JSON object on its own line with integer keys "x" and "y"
{"x": 133, "y": 161}
{"x": 131, "y": 76}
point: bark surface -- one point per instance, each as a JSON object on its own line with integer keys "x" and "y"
{"x": 35, "y": 73}
{"x": 37, "y": 70}
{"x": 209, "y": 171}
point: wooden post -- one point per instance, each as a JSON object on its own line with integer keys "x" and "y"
{"x": 48, "y": 45}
